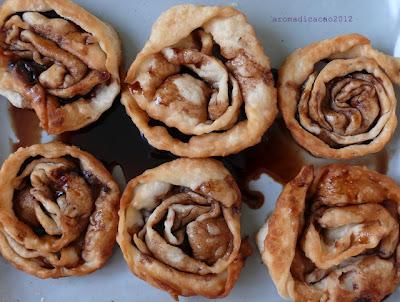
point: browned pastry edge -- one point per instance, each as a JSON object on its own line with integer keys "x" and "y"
{"x": 99, "y": 236}
{"x": 257, "y": 90}
{"x": 208, "y": 178}
{"x": 349, "y": 52}
{"x": 56, "y": 118}
{"x": 287, "y": 235}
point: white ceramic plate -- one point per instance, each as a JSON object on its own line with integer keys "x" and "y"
{"x": 378, "y": 20}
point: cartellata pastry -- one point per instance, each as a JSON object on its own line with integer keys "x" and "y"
{"x": 58, "y": 211}
{"x": 337, "y": 97}
{"x": 334, "y": 236}
{"x": 202, "y": 85}
{"x": 179, "y": 228}
{"x": 59, "y": 60}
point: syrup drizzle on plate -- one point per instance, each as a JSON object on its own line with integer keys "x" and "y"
{"x": 115, "y": 140}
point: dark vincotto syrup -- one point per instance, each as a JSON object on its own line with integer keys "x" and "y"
{"x": 25, "y": 125}
{"x": 115, "y": 140}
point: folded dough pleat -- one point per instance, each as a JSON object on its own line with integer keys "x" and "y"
{"x": 337, "y": 97}
{"x": 202, "y": 85}
{"x": 179, "y": 228}
{"x": 334, "y": 236}
{"x": 59, "y": 60}
{"x": 58, "y": 211}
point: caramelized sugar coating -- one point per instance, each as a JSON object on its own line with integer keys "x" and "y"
{"x": 334, "y": 236}
{"x": 58, "y": 211}
{"x": 179, "y": 228}
{"x": 337, "y": 97}
{"x": 59, "y": 60}
{"x": 202, "y": 85}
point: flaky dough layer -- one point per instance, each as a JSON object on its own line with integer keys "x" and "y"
{"x": 334, "y": 236}
{"x": 203, "y": 73}
{"x": 196, "y": 201}
{"x": 58, "y": 211}
{"x": 337, "y": 98}
{"x": 63, "y": 66}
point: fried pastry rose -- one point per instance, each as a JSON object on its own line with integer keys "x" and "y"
{"x": 58, "y": 211}
{"x": 334, "y": 236}
{"x": 202, "y": 85}
{"x": 337, "y": 97}
{"x": 59, "y": 60}
{"x": 179, "y": 228}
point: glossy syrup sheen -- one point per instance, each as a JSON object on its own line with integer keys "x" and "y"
{"x": 25, "y": 125}
{"x": 115, "y": 140}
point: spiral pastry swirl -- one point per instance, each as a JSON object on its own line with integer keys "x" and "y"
{"x": 59, "y": 60}
{"x": 179, "y": 228}
{"x": 202, "y": 84}
{"x": 334, "y": 236}
{"x": 337, "y": 97}
{"x": 58, "y": 211}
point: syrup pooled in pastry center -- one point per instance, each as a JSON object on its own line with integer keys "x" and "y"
{"x": 191, "y": 88}
{"x": 187, "y": 225}
{"x": 352, "y": 105}
{"x": 186, "y": 96}
{"x": 210, "y": 239}
{"x": 344, "y": 106}
{"x": 25, "y": 204}
{"x": 57, "y": 199}
{"x": 59, "y": 46}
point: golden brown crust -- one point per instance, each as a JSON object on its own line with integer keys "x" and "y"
{"x": 58, "y": 211}
{"x": 337, "y": 98}
{"x": 76, "y": 57}
{"x": 334, "y": 236}
{"x": 196, "y": 199}
{"x": 206, "y": 110}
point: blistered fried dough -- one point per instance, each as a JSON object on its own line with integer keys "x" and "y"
{"x": 179, "y": 228}
{"x": 59, "y": 60}
{"x": 58, "y": 211}
{"x": 334, "y": 236}
{"x": 202, "y": 85}
{"x": 337, "y": 97}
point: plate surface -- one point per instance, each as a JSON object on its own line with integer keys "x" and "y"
{"x": 378, "y": 20}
